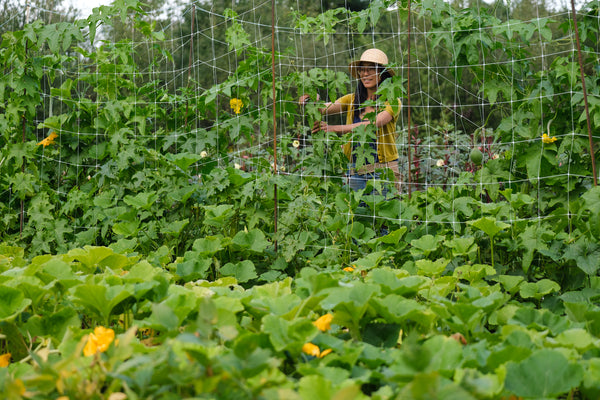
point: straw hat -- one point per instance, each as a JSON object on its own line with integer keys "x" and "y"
{"x": 372, "y": 56}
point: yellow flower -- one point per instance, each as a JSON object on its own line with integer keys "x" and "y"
{"x": 203, "y": 154}
{"x": 548, "y": 139}
{"x": 236, "y": 105}
{"x": 440, "y": 163}
{"x": 348, "y": 269}
{"x": 98, "y": 341}
{"x": 4, "y": 360}
{"x": 296, "y": 143}
{"x": 324, "y": 322}
{"x": 313, "y": 350}
{"x": 49, "y": 140}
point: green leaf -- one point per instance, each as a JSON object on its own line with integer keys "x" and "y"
{"x": 12, "y": 303}
{"x": 545, "y": 374}
{"x": 432, "y": 268}
{"x": 462, "y": 246}
{"x": 253, "y": 240}
{"x": 425, "y": 245}
{"x": 350, "y": 303}
{"x": 243, "y": 271}
{"x": 538, "y": 289}
{"x": 218, "y": 215}
{"x": 474, "y": 273}
{"x": 99, "y": 299}
{"x": 392, "y": 281}
{"x": 288, "y": 335}
{"x": 174, "y": 228}
{"x": 208, "y": 246}
{"x": 577, "y": 338}
{"x": 586, "y": 255}
{"x": 490, "y": 226}
{"x": 172, "y": 313}
{"x": 143, "y": 200}
{"x": 397, "y": 309}
{"x": 14, "y": 343}
{"x": 183, "y": 160}
{"x": 92, "y": 257}
{"x": 163, "y": 318}
{"x": 382, "y": 334}
{"x": 53, "y": 325}
{"x": 446, "y": 354}
{"x": 315, "y": 387}
{"x": 194, "y": 266}
{"x": 511, "y": 283}
{"x": 127, "y": 228}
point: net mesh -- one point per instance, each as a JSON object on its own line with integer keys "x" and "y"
{"x": 199, "y": 96}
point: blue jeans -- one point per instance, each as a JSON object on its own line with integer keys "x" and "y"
{"x": 358, "y": 182}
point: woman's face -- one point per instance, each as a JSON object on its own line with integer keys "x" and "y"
{"x": 369, "y": 75}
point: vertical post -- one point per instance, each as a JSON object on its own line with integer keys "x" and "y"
{"x": 585, "y": 99}
{"x": 408, "y": 105}
{"x": 24, "y": 125}
{"x": 190, "y": 62}
{"x": 275, "y": 202}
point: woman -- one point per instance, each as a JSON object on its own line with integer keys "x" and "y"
{"x": 370, "y": 70}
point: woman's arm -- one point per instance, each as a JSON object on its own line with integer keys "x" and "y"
{"x": 382, "y": 119}
{"x": 330, "y": 108}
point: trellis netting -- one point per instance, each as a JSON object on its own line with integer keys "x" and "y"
{"x": 129, "y": 108}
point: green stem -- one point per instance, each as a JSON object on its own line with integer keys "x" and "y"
{"x": 492, "y": 248}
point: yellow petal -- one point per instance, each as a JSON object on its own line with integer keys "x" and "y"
{"x": 324, "y": 353}
{"x": 236, "y": 105}
{"x": 104, "y": 336}
{"x": 91, "y": 347}
{"x": 5, "y": 360}
{"x": 48, "y": 140}
{"x": 324, "y": 322}
{"x": 311, "y": 349}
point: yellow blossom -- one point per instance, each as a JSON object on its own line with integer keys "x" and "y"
{"x": 324, "y": 322}
{"x": 325, "y": 352}
{"x": 203, "y": 154}
{"x": 4, "y": 360}
{"x": 16, "y": 387}
{"x": 99, "y": 341}
{"x": 548, "y": 139}
{"x": 348, "y": 269}
{"x": 440, "y": 163}
{"x": 313, "y": 350}
{"x": 49, "y": 140}
{"x": 296, "y": 143}
{"x": 236, "y": 105}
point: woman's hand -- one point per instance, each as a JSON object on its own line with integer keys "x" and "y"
{"x": 322, "y": 126}
{"x": 305, "y": 98}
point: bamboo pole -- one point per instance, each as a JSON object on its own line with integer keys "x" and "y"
{"x": 408, "y": 105}
{"x": 275, "y": 201}
{"x": 585, "y": 99}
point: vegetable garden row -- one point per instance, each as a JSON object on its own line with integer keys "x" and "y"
{"x": 144, "y": 256}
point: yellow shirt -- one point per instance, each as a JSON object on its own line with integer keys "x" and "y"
{"x": 386, "y": 135}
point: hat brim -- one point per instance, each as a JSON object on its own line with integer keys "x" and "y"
{"x": 355, "y": 64}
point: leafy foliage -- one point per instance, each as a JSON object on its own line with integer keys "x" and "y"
{"x": 154, "y": 223}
